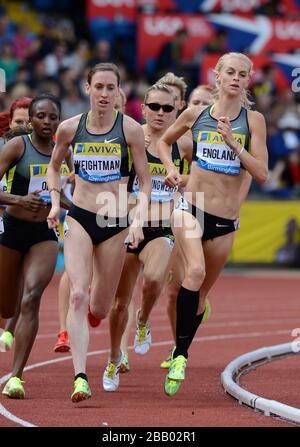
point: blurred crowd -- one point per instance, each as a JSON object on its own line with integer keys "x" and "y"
{"x": 57, "y": 58}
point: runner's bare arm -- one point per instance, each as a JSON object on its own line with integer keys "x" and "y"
{"x": 136, "y": 140}
{"x": 65, "y": 133}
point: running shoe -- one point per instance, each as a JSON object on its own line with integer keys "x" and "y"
{"x": 94, "y": 321}
{"x": 176, "y": 374}
{"x": 124, "y": 368}
{"x": 165, "y": 364}
{"x": 14, "y": 388}
{"x": 62, "y": 344}
{"x": 111, "y": 377}
{"x": 81, "y": 391}
{"x": 171, "y": 386}
{"x": 207, "y": 311}
{"x": 6, "y": 341}
{"x": 142, "y": 339}
{"x": 177, "y": 368}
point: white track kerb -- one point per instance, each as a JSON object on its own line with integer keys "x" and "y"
{"x": 248, "y": 362}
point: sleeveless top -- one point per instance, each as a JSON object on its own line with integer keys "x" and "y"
{"x": 209, "y": 148}
{"x": 102, "y": 157}
{"x": 30, "y": 172}
{"x": 160, "y": 192}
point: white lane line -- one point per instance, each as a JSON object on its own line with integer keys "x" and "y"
{"x": 14, "y": 418}
{"x": 5, "y": 413}
{"x": 207, "y": 325}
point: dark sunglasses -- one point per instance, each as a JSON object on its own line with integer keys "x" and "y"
{"x": 167, "y": 108}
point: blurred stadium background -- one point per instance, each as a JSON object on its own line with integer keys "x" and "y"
{"x": 48, "y": 45}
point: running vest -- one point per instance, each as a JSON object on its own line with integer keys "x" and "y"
{"x": 30, "y": 172}
{"x": 101, "y": 158}
{"x": 160, "y": 192}
{"x": 209, "y": 149}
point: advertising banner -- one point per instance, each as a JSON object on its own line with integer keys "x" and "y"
{"x": 269, "y": 233}
{"x": 155, "y": 30}
{"x": 112, "y": 9}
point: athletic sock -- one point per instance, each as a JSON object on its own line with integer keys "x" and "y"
{"x": 197, "y": 322}
{"x": 186, "y": 309}
{"x": 82, "y": 376}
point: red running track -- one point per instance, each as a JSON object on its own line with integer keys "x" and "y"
{"x": 249, "y": 311}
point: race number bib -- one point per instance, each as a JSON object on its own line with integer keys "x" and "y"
{"x": 38, "y": 179}
{"x": 214, "y": 155}
{"x": 98, "y": 162}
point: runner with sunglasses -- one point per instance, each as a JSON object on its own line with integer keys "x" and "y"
{"x": 153, "y": 253}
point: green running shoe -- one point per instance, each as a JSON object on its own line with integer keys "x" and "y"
{"x": 207, "y": 311}
{"x": 177, "y": 368}
{"x": 6, "y": 341}
{"x": 171, "y": 386}
{"x": 14, "y": 388}
{"x": 81, "y": 391}
{"x": 165, "y": 364}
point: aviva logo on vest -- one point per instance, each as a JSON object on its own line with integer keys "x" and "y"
{"x": 40, "y": 170}
{"x": 157, "y": 169}
{"x": 216, "y": 138}
{"x": 97, "y": 149}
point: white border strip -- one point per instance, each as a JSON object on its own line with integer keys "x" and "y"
{"x": 268, "y": 407}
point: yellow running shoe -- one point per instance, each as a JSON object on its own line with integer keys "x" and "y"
{"x": 6, "y": 341}
{"x": 177, "y": 368}
{"x": 175, "y": 375}
{"x": 165, "y": 364}
{"x": 207, "y": 311}
{"x": 171, "y": 386}
{"x": 14, "y": 388}
{"x": 124, "y": 368}
{"x": 81, "y": 391}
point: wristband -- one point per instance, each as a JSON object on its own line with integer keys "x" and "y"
{"x": 54, "y": 189}
{"x": 238, "y": 155}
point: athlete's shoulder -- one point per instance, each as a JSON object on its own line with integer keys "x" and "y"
{"x": 191, "y": 113}
{"x": 255, "y": 118}
{"x": 132, "y": 128}
{"x": 13, "y": 149}
{"x": 67, "y": 128}
{"x": 17, "y": 142}
{"x": 70, "y": 123}
{"x": 128, "y": 121}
